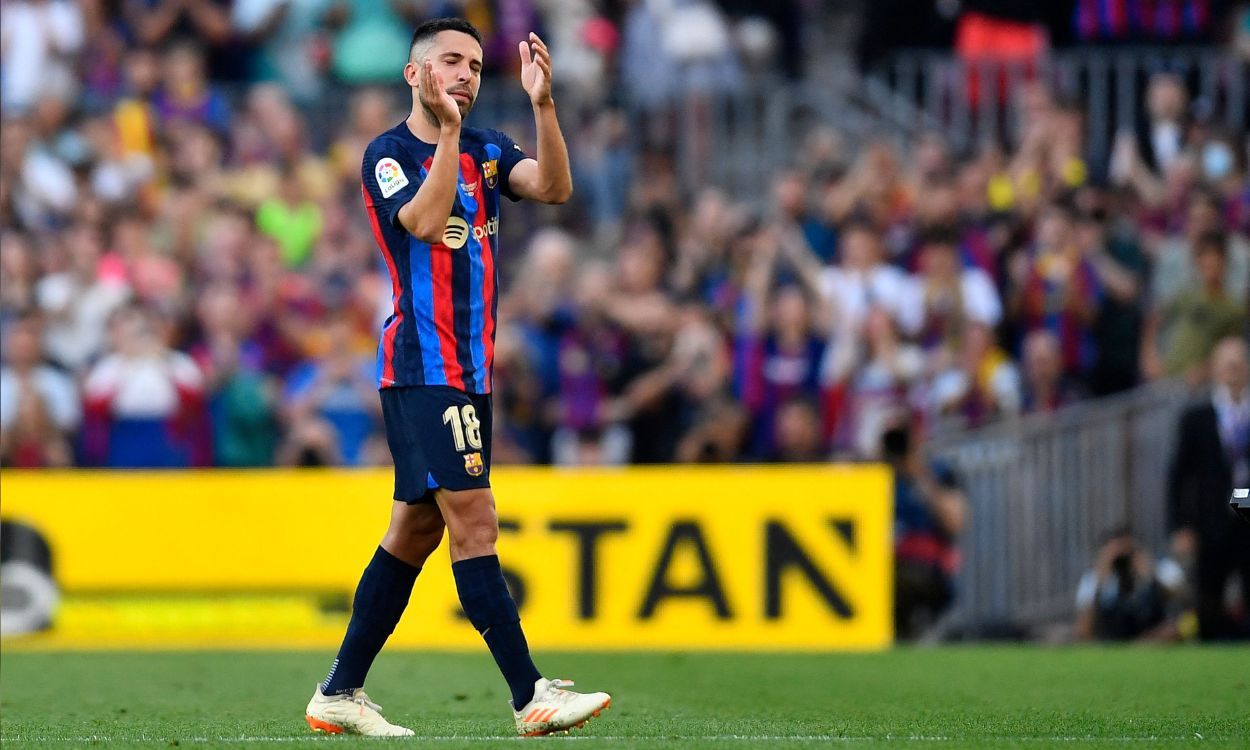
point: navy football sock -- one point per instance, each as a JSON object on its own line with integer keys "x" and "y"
{"x": 380, "y": 599}
{"x": 490, "y": 607}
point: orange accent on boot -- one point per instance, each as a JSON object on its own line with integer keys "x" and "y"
{"x": 317, "y": 725}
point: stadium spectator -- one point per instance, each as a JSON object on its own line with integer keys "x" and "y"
{"x": 875, "y": 388}
{"x": 978, "y": 385}
{"x": 242, "y": 396}
{"x": 40, "y": 184}
{"x": 1121, "y": 266}
{"x": 369, "y": 35}
{"x": 186, "y": 95}
{"x": 603, "y": 175}
{"x": 78, "y": 299}
{"x": 338, "y": 388}
{"x": 1128, "y": 595}
{"x": 1163, "y": 133}
{"x": 155, "y": 278}
{"x": 946, "y": 296}
{"x": 791, "y": 196}
{"x": 647, "y": 396}
{"x": 676, "y": 49}
{"x": 780, "y": 346}
{"x": 160, "y": 23}
{"x": 1175, "y": 266}
{"x": 930, "y": 513}
{"x": 144, "y": 402}
{"x": 1045, "y": 386}
{"x": 39, "y": 405}
{"x": 797, "y": 432}
{"x": 1181, "y": 333}
{"x": 718, "y": 435}
{"x": 1060, "y": 292}
{"x": 39, "y": 41}
{"x": 292, "y": 47}
{"x": 18, "y": 274}
{"x": 134, "y": 118}
{"x": 290, "y": 218}
{"x": 1212, "y": 457}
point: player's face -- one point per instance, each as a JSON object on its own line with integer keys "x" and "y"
{"x": 457, "y": 57}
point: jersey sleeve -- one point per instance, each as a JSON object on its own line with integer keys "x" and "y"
{"x": 510, "y": 155}
{"x": 390, "y": 177}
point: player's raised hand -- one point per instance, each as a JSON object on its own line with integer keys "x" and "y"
{"x": 535, "y": 69}
{"x": 435, "y": 97}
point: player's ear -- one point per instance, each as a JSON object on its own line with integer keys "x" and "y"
{"x": 411, "y": 74}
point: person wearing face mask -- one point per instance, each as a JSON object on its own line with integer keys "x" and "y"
{"x": 1223, "y": 174}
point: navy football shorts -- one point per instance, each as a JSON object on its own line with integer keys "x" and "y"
{"x": 439, "y": 437}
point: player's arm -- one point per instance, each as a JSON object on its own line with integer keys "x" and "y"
{"x": 425, "y": 216}
{"x": 548, "y": 179}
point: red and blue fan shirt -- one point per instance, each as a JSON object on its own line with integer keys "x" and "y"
{"x": 442, "y": 328}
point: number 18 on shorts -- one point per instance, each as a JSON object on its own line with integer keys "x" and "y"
{"x": 439, "y": 437}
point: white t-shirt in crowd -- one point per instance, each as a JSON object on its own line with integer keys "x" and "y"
{"x": 59, "y": 394}
{"x": 37, "y": 40}
{"x": 980, "y": 301}
{"x": 855, "y": 292}
{"x": 143, "y": 387}
{"x": 77, "y": 316}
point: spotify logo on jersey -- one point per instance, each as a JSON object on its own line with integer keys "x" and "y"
{"x": 457, "y": 232}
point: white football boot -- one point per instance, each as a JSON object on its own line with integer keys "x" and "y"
{"x": 554, "y": 709}
{"x": 350, "y": 713}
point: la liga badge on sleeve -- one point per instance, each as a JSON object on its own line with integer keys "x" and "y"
{"x": 390, "y": 176}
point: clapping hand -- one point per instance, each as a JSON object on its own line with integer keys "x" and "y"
{"x": 535, "y": 70}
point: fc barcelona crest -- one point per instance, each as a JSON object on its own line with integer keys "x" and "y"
{"x": 473, "y": 465}
{"x": 490, "y": 172}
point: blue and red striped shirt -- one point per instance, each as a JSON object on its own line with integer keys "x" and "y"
{"x": 442, "y": 328}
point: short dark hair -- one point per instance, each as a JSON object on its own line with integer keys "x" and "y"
{"x": 896, "y": 442}
{"x": 1214, "y": 241}
{"x": 432, "y": 27}
{"x": 860, "y": 222}
{"x": 942, "y": 235}
{"x": 1065, "y": 206}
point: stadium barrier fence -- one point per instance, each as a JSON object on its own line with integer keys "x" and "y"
{"x": 1044, "y": 490}
{"x": 969, "y": 101}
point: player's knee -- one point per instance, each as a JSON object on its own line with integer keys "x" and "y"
{"x": 414, "y": 533}
{"x": 480, "y": 537}
{"x": 471, "y": 520}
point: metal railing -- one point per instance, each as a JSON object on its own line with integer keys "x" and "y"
{"x": 1045, "y": 489}
{"x": 972, "y": 102}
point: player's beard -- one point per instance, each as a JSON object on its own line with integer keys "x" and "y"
{"x": 464, "y": 107}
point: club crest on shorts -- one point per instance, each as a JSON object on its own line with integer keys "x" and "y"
{"x": 473, "y": 465}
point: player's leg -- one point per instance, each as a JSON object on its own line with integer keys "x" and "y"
{"x": 540, "y": 706}
{"x": 460, "y": 466}
{"x": 472, "y": 530}
{"x": 415, "y": 531}
{"x": 340, "y": 704}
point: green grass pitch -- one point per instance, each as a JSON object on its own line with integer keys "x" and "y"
{"x": 947, "y": 697}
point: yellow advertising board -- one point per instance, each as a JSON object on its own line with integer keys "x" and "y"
{"x": 743, "y": 557}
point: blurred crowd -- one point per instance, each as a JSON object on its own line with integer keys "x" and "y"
{"x": 187, "y": 278}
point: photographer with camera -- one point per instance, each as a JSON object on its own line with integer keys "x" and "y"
{"x": 1129, "y": 596}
